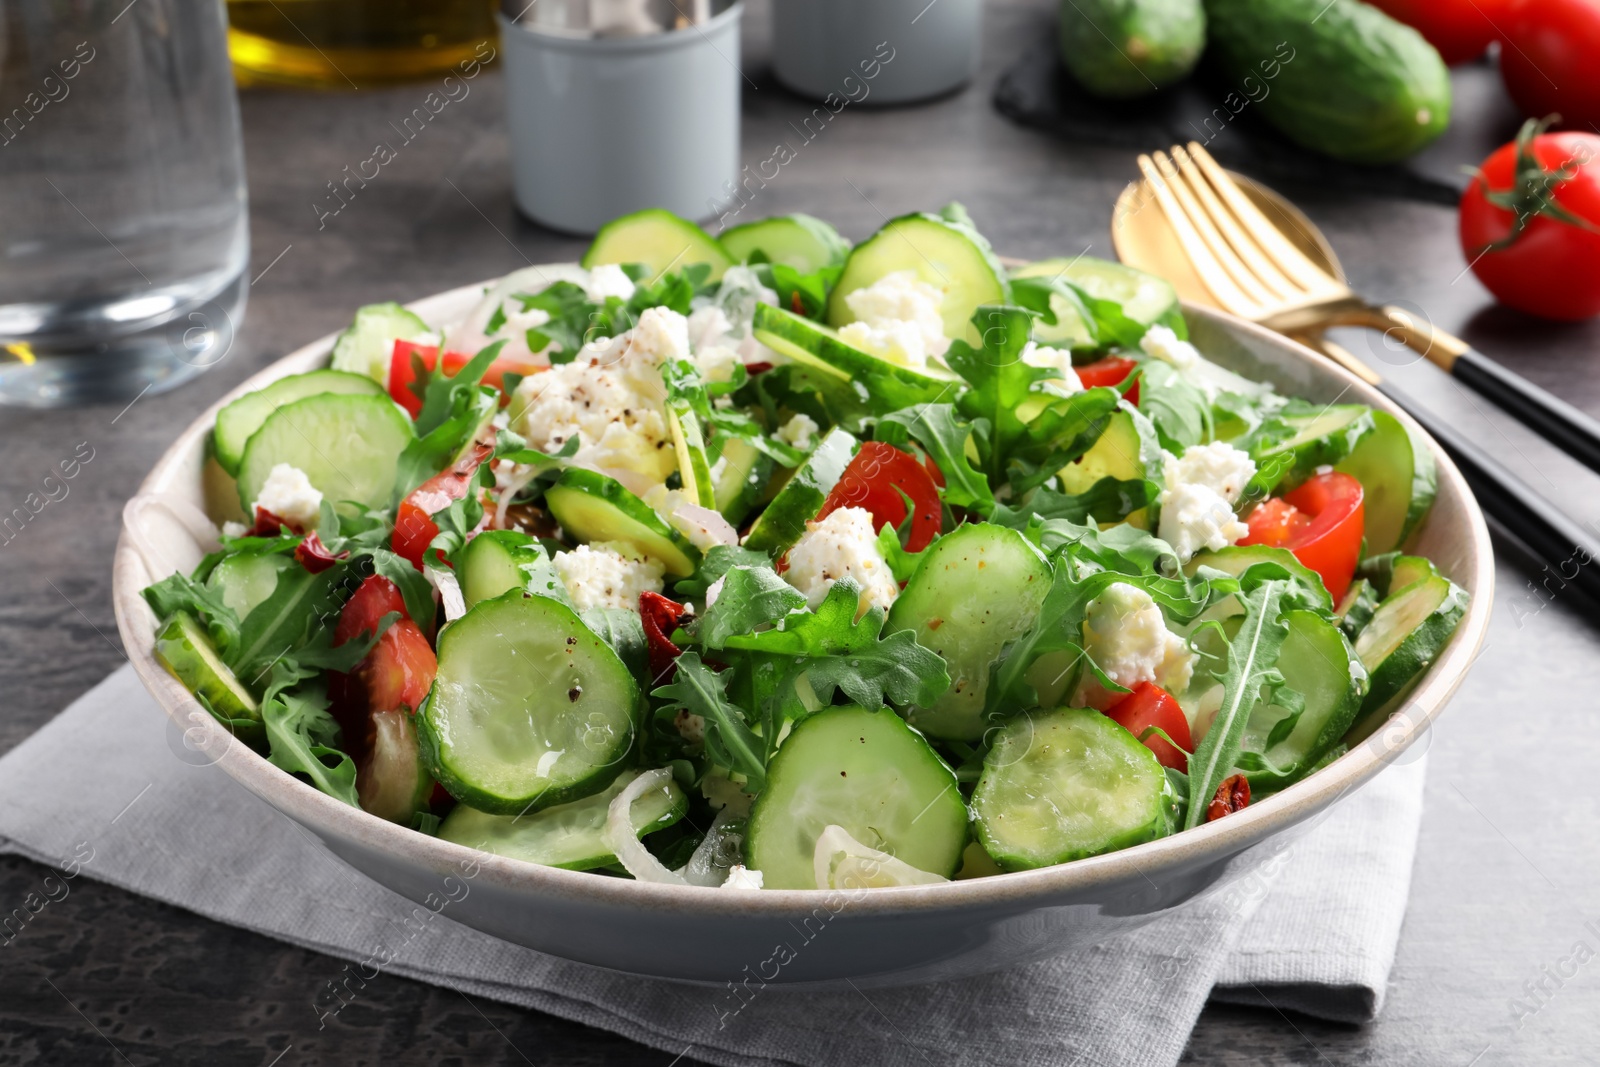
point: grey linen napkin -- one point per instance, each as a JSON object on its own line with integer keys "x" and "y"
{"x": 107, "y": 790}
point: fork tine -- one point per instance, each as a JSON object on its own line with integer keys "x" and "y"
{"x": 1211, "y": 273}
{"x": 1220, "y": 249}
{"x": 1249, "y": 251}
{"x": 1290, "y": 259}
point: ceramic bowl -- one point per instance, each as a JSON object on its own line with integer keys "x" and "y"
{"x": 878, "y": 936}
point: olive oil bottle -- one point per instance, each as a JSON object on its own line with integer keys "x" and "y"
{"x": 354, "y": 44}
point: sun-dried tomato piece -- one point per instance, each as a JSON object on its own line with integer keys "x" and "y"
{"x": 314, "y": 556}
{"x": 660, "y": 616}
{"x": 1232, "y": 795}
{"x": 267, "y": 524}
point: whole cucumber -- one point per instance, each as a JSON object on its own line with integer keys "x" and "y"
{"x": 1128, "y": 48}
{"x": 1340, "y": 77}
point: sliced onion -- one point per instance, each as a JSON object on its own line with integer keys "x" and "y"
{"x": 868, "y": 866}
{"x": 704, "y": 527}
{"x": 625, "y": 844}
{"x": 723, "y": 838}
{"x": 516, "y": 482}
{"x": 160, "y": 542}
{"x": 443, "y": 579}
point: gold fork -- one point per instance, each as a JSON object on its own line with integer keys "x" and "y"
{"x": 1255, "y": 272}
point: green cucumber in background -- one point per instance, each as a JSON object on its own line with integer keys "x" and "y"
{"x": 1357, "y": 85}
{"x": 1129, "y": 48}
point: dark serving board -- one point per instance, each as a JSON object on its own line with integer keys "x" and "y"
{"x": 1036, "y": 92}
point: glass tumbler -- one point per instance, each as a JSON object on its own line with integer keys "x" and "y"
{"x": 123, "y": 232}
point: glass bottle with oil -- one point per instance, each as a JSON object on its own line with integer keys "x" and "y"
{"x": 354, "y": 44}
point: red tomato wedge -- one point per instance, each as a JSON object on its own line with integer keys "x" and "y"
{"x": 1110, "y": 371}
{"x": 1321, "y": 522}
{"x": 1150, "y": 705}
{"x": 402, "y": 373}
{"x": 395, "y": 674}
{"x": 874, "y": 480}
{"x": 414, "y": 528}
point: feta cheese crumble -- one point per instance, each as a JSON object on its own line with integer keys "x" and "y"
{"x": 1197, "y": 503}
{"x": 1163, "y": 344}
{"x": 289, "y": 494}
{"x": 898, "y": 320}
{"x": 234, "y": 529}
{"x": 1127, "y": 637}
{"x": 1058, "y": 360}
{"x": 798, "y": 431}
{"x": 742, "y": 877}
{"x": 1160, "y": 342}
{"x": 608, "y": 280}
{"x": 842, "y": 544}
{"x": 608, "y": 574}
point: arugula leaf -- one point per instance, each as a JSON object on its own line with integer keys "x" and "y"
{"x": 842, "y": 653}
{"x": 803, "y": 294}
{"x": 719, "y": 560}
{"x": 511, "y": 446}
{"x": 624, "y": 632}
{"x": 457, "y": 522}
{"x": 943, "y": 436}
{"x": 444, "y": 397}
{"x": 301, "y": 605}
{"x": 891, "y": 543}
{"x": 1251, "y": 675}
{"x": 179, "y": 592}
{"x": 730, "y": 742}
{"x": 1107, "y": 500}
{"x": 751, "y": 597}
{"x": 414, "y": 588}
{"x": 1180, "y": 412}
{"x": 1000, "y": 381}
{"x": 1062, "y": 431}
{"x": 572, "y": 318}
{"x": 1104, "y": 320}
{"x": 303, "y": 738}
{"x": 435, "y": 450}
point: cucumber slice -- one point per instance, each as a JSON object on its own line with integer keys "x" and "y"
{"x": 1239, "y": 558}
{"x": 367, "y": 344}
{"x": 689, "y": 443}
{"x": 496, "y": 562}
{"x": 1322, "y": 667}
{"x": 570, "y": 835}
{"x": 348, "y": 446}
{"x": 885, "y": 386}
{"x": 1062, "y": 785}
{"x": 243, "y": 417}
{"x": 743, "y": 481}
{"x": 868, "y": 772}
{"x": 592, "y": 507}
{"x": 1408, "y": 569}
{"x": 529, "y": 709}
{"x": 950, "y": 256}
{"x": 1357, "y": 607}
{"x": 1145, "y": 298}
{"x": 185, "y": 650}
{"x": 1124, "y": 451}
{"x": 1398, "y": 481}
{"x": 800, "y": 241}
{"x": 973, "y": 592}
{"x": 245, "y": 579}
{"x": 777, "y": 529}
{"x": 392, "y": 782}
{"x": 1407, "y": 632}
{"x": 1321, "y": 437}
{"x": 660, "y": 241}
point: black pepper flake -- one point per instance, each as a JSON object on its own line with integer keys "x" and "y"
{"x": 574, "y": 693}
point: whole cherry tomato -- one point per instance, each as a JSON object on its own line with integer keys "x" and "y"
{"x": 1547, "y": 59}
{"x": 1321, "y": 522}
{"x": 1530, "y": 222}
{"x": 1460, "y": 29}
{"x": 874, "y": 480}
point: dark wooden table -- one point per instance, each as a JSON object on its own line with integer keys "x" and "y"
{"x": 1493, "y": 964}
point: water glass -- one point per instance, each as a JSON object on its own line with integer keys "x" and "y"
{"x": 123, "y": 231}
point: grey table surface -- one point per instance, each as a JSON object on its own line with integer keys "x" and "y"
{"x": 1493, "y": 964}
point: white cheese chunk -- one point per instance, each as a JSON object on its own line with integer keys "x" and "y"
{"x": 289, "y": 494}
{"x": 898, "y": 320}
{"x": 842, "y": 544}
{"x": 742, "y": 877}
{"x": 1127, "y": 637}
{"x": 608, "y": 280}
{"x": 1058, "y": 360}
{"x": 608, "y": 575}
{"x": 1197, "y": 503}
{"x": 798, "y": 431}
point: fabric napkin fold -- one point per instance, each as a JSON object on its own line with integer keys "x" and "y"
{"x": 107, "y": 790}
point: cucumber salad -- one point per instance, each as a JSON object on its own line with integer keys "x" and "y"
{"x": 772, "y": 561}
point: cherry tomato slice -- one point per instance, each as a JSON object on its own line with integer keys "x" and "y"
{"x": 1150, "y": 705}
{"x": 399, "y": 670}
{"x": 372, "y": 600}
{"x": 1321, "y": 522}
{"x": 1110, "y": 371}
{"x": 402, "y": 373}
{"x": 414, "y": 528}
{"x": 874, "y": 480}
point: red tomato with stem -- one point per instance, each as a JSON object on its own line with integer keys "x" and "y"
{"x": 1460, "y": 29}
{"x": 1547, "y": 58}
{"x": 874, "y": 480}
{"x": 414, "y": 528}
{"x": 1530, "y": 222}
{"x": 1109, "y": 371}
{"x": 1150, "y": 705}
{"x": 1322, "y": 523}
{"x": 403, "y": 372}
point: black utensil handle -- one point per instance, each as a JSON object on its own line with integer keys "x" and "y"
{"x": 1557, "y": 421}
{"x": 1545, "y": 530}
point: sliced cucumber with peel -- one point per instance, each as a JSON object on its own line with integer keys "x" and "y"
{"x": 572, "y": 835}
{"x": 392, "y": 781}
{"x": 1406, "y": 634}
{"x": 689, "y": 443}
{"x": 658, "y": 240}
{"x": 800, "y": 241}
{"x": 242, "y": 418}
{"x": 1360, "y": 603}
{"x": 245, "y": 579}
{"x": 348, "y": 446}
{"x": 1145, "y": 298}
{"x": 974, "y": 591}
{"x": 949, "y": 256}
{"x": 742, "y": 483}
{"x": 777, "y": 529}
{"x": 868, "y": 772}
{"x": 1398, "y": 480}
{"x": 498, "y": 561}
{"x": 367, "y": 345}
{"x": 885, "y": 386}
{"x": 592, "y": 507}
{"x": 1320, "y": 437}
{"x": 1062, "y": 785}
{"x": 529, "y": 709}
{"x": 1237, "y": 559}
{"x": 185, "y": 650}
{"x": 1123, "y": 451}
